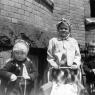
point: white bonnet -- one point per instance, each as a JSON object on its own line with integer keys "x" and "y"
{"x": 21, "y": 45}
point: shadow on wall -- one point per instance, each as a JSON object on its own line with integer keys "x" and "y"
{"x": 47, "y": 3}
{"x": 37, "y": 37}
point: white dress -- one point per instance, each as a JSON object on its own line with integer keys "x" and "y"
{"x": 64, "y": 89}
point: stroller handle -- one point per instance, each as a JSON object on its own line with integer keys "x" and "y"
{"x": 61, "y": 67}
{"x": 65, "y": 67}
{"x": 20, "y": 77}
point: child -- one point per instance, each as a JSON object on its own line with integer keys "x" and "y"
{"x": 19, "y": 65}
{"x": 63, "y": 50}
{"x": 65, "y": 84}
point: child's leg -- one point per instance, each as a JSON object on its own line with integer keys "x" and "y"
{"x": 13, "y": 90}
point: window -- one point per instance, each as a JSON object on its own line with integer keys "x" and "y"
{"x": 92, "y": 8}
{"x": 89, "y": 23}
{"x": 47, "y": 3}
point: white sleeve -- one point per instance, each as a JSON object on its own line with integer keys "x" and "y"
{"x": 77, "y": 58}
{"x": 50, "y": 56}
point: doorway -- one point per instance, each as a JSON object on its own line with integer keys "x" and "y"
{"x": 38, "y": 56}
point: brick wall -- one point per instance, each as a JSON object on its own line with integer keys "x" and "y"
{"x": 26, "y": 15}
{"x": 28, "y": 11}
{"x": 74, "y": 11}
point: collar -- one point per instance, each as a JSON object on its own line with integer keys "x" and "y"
{"x": 63, "y": 39}
{"x": 19, "y": 62}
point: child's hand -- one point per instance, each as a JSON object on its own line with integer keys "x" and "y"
{"x": 26, "y": 77}
{"x": 74, "y": 66}
{"x": 13, "y": 77}
{"x": 93, "y": 70}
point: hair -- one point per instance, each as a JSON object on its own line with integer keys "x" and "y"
{"x": 64, "y": 22}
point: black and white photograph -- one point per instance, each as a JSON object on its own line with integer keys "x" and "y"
{"x": 47, "y": 47}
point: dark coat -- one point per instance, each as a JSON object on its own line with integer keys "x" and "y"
{"x": 88, "y": 65}
{"x": 16, "y": 67}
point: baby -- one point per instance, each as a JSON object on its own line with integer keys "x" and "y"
{"x": 65, "y": 84}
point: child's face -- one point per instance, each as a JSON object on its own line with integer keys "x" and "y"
{"x": 63, "y": 31}
{"x": 19, "y": 55}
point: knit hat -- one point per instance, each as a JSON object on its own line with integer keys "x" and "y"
{"x": 21, "y": 45}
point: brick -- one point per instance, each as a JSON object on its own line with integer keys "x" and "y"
{"x": 7, "y": 8}
{"x": 23, "y": 7}
{"x": 27, "y": 3}
{"x": 1, "y": 6}
{"x": 14, "y": 20}
{"x": 14, "y": 9}
{"x": 36, "y": 12}
{"x": 15, "y": 1}
{"x": 22, "y": 17}
{"x": 29, "y": 9}
{"x": 20, "y": 11}
{"x": 21, "y": 1}
{"x": 17, "y": 16}
{"x": 26, "y": 13}
{"x": 4, "y": 2}
{"x": 10, "y": 14}
{"x": 18, "y": 5}
{"x": 11, "y": 3}
{"x": 3, "y": 12}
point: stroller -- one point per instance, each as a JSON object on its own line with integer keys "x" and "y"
{"x": 72, "y": 85}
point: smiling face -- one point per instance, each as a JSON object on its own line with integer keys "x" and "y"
{"x": 63, "y": 30}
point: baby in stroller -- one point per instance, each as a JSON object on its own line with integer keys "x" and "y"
{"x": 65, "y": 83}
{"x": 19, "y": 72}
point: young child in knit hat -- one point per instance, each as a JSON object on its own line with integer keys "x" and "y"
{"x": 19, "y": 65}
